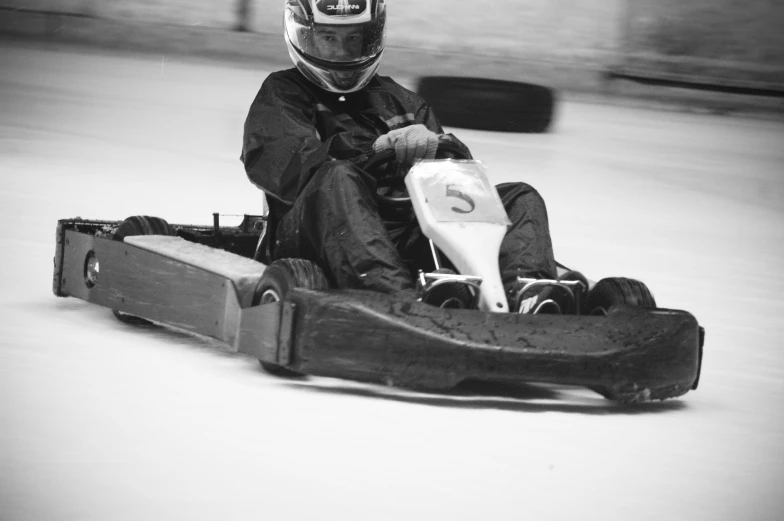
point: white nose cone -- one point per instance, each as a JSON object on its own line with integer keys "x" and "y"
{"x": 461, "y": 212}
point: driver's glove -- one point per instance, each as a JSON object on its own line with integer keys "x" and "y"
{"x": 409, "y": 143}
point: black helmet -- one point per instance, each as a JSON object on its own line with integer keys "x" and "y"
{"x": 336, "y": 44}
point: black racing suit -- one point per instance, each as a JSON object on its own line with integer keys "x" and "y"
{"x": 305, "y": 147}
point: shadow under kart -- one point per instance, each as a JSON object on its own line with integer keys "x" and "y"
{"x": 204, "y": 279}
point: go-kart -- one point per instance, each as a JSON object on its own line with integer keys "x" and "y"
{"x": 205, "y": 280}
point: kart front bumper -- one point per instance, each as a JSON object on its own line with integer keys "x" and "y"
{"x": 630, "y": 355}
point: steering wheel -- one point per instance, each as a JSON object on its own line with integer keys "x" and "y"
{"x": 385, "y": 157}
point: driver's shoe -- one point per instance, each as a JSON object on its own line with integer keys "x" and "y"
{"x": 545, "y": 297}
{"x": 563, "y": 296}
{"x": 448, "y": 294}
{"x": 451, "y": 295}
{"x": 578, "y": 284}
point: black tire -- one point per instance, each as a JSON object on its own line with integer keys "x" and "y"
{"x": 131, "y": 319}
{"x": 283, "y": 275}
{"x": 278, "y": 279}
{"x": 139, "y": 225}
{"x": 142, "y": 225}
{"x": 615, "y": 291}
{"x": 488, "y": 104}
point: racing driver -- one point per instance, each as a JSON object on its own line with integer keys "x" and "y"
{"x": 311, "y": 129}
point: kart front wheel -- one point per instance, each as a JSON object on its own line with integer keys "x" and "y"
{"x": 606, "y": 294}
{"x": 278, "y": 279}
{"x": 614, "y": 291}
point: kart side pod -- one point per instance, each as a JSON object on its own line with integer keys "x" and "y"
{"x": 630, "y": 355}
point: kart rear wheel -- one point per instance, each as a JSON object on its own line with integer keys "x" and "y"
{"x": 139, "y": 225}
{"x": 615, "y": 291}
{"x": 142, "y": 225}
{"x": 280, "y": 277}
{"x": 489, "y": 104}
{"x": 131, "y": 319}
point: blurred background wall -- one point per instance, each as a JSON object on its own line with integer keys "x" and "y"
{"x": 733, "y": 42}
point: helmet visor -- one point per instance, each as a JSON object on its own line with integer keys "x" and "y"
{"x": 337, "y": 44}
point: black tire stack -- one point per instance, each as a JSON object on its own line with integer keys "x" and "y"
{"x": 489, "y": 104}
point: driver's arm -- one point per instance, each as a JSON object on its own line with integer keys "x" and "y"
{"x": 282, "y": 148}
{"x": 418, "y": 140}
{"x": 429, "y": 119}
{"x": 409, "y": 143}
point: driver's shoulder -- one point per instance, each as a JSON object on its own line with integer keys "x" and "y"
{"x": 389, "y": 85}
{"x": 288, "y": 78}
{"x": 288, "y": 86}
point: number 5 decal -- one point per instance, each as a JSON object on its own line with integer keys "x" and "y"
{"x": 452, "y": 192}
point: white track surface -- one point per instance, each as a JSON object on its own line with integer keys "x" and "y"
{"x": 103, "y": 421}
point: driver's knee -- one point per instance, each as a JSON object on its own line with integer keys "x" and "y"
{"x": 520, "y": 198}
{"x": 338, "y": 174}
